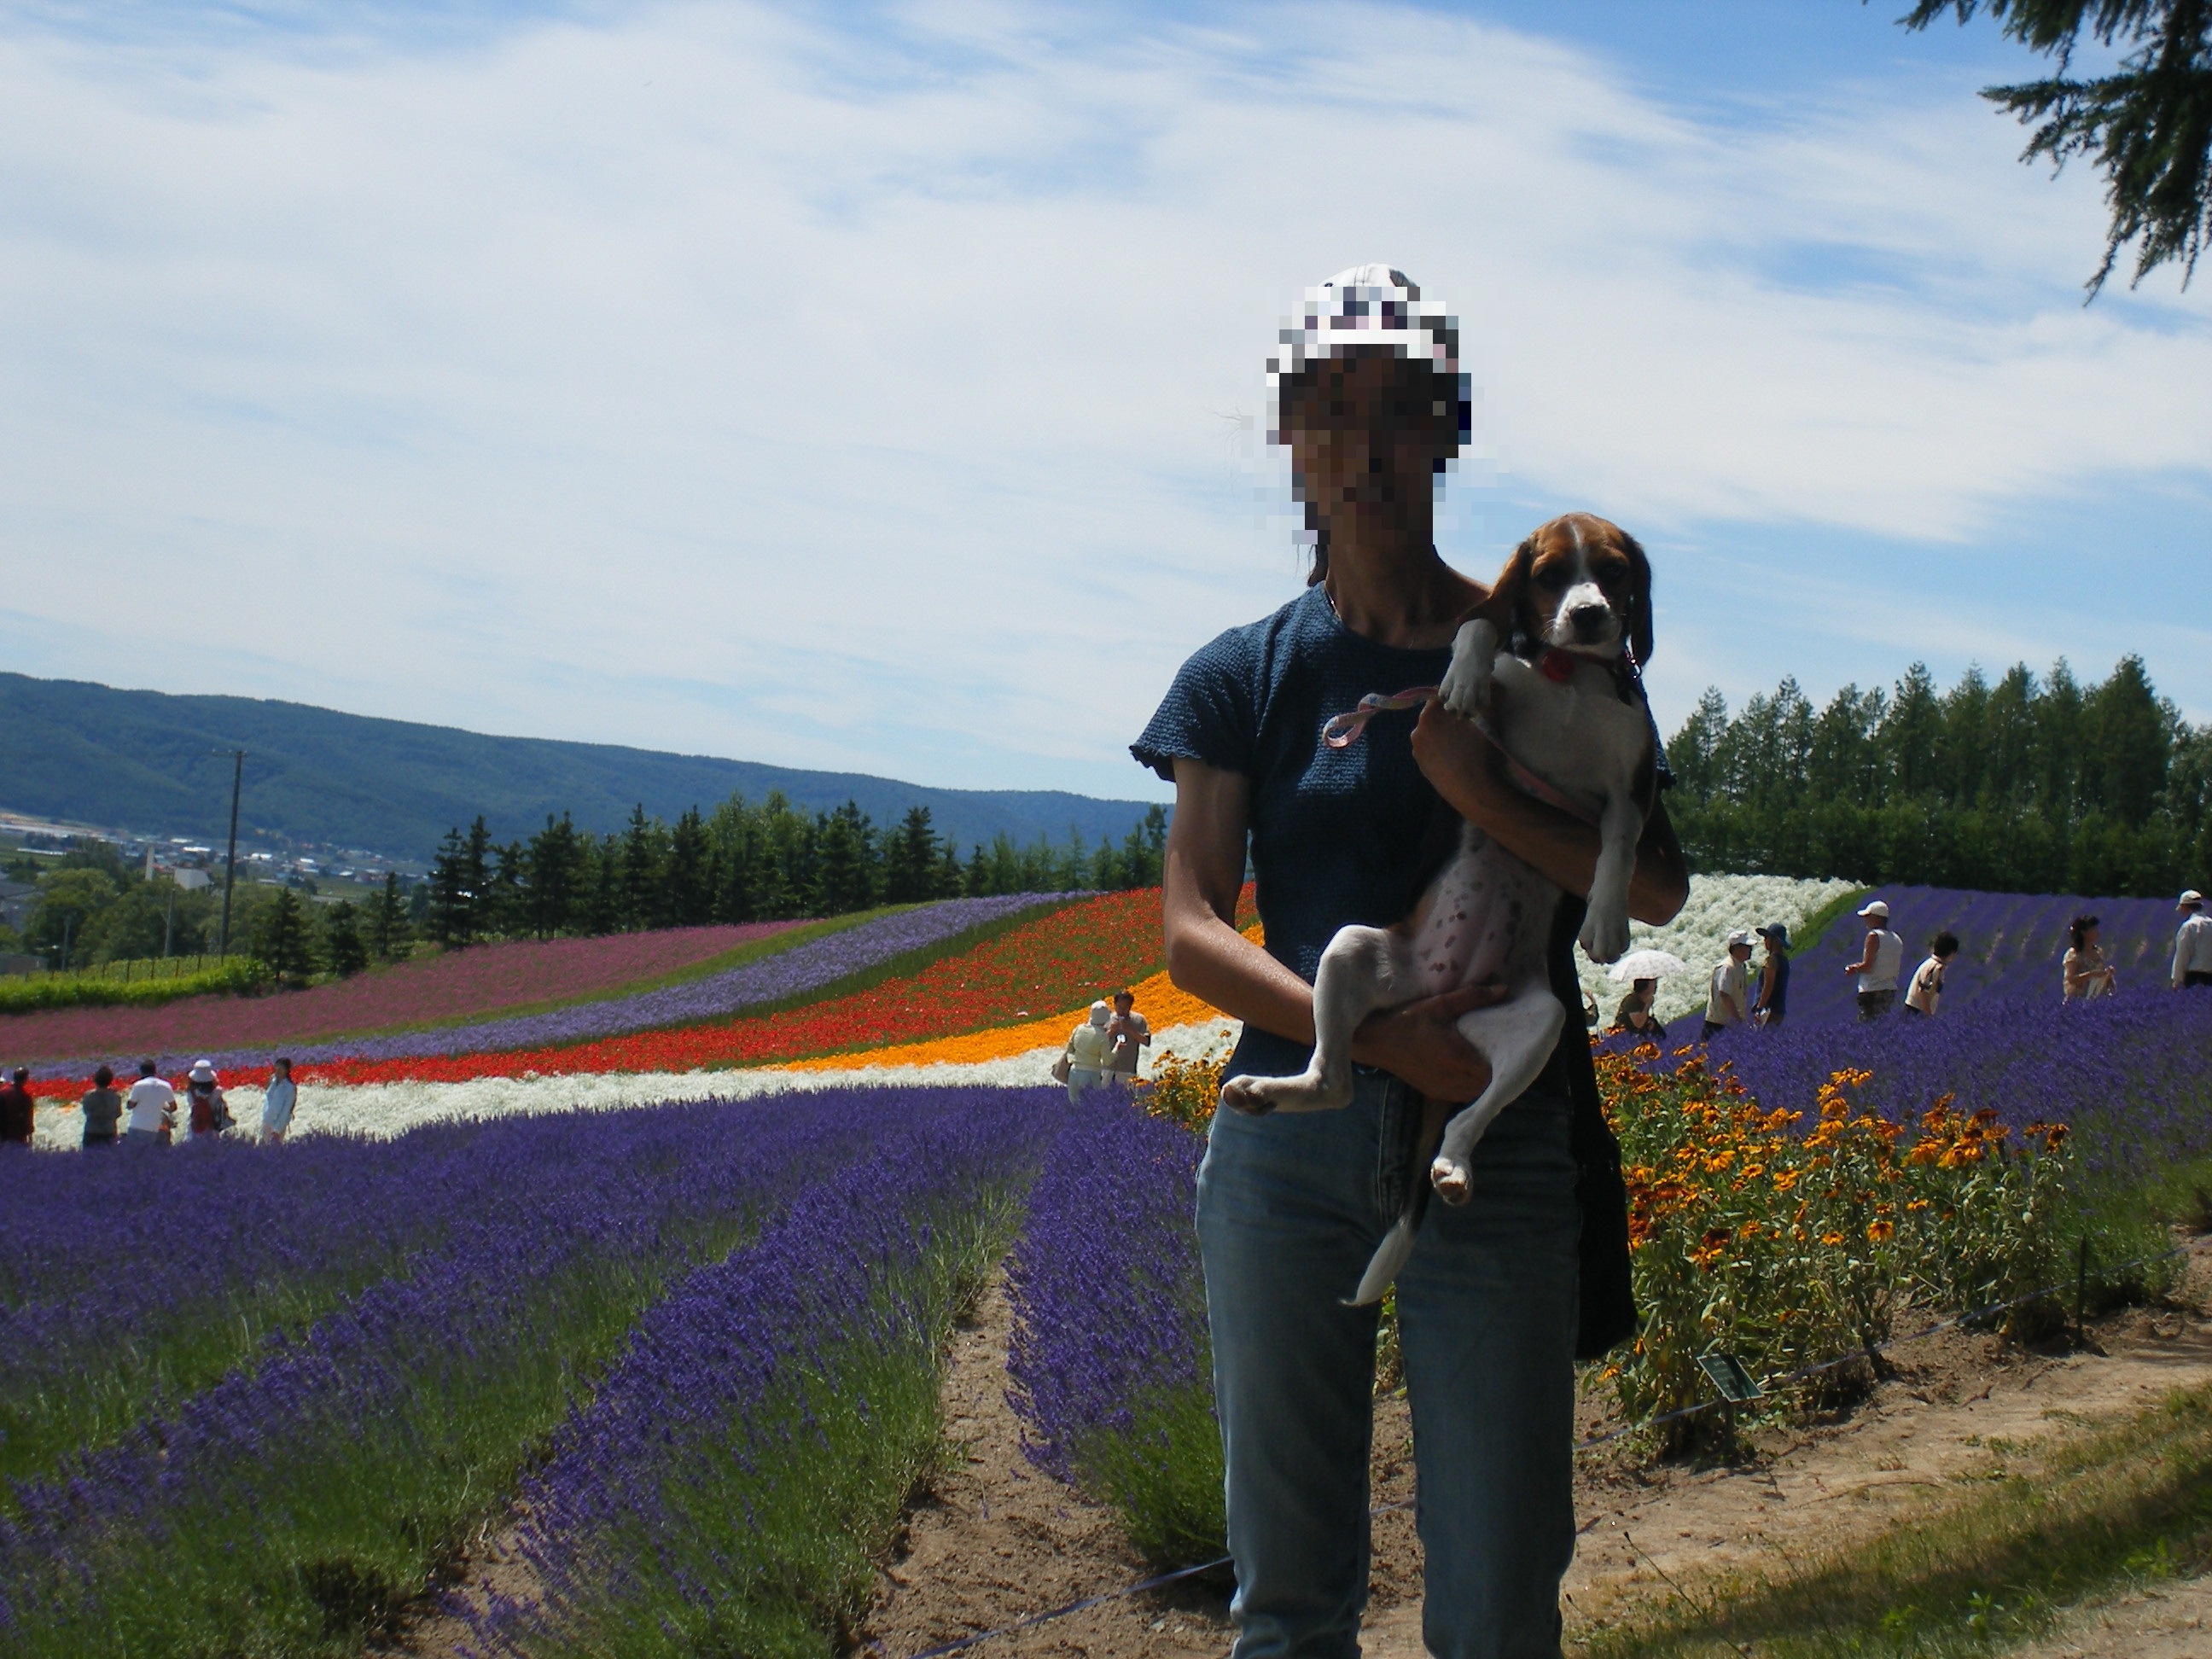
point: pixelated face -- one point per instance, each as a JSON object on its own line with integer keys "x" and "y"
{"x": 1583, "y": 584}
{"x": 1366, "y": 433}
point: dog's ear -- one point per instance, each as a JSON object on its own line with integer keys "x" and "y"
{"x": 1639, "y": 599}
{"x": 1502, "y": 610}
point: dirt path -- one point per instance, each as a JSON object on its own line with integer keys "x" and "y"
{"x": 1000, "y": 1540}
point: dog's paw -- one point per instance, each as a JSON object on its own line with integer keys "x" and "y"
{"x": 1465, "y": 688}
{"x": 1450, "y": 1179}
{"x": 1604, "y": 938}
{"x": 1244, "y": 1094}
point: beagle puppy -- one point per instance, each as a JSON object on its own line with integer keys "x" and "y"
{"x": 1548, "y": 665}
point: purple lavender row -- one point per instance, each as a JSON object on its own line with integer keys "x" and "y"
{"x": 792, "y": 973}
{"x": 238, "y": 1239}
{"x": 719, "y": 1491}
{"x": 306, "y": 1496}
{"x": 2129, "y": 1073}
{"x": 1110, "y": 1306}
{"x": 2011, "y": 945}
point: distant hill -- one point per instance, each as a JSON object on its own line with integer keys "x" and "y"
{"x": 144, "y": 761}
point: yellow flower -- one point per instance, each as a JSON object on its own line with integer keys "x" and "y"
{"x": 1880, "y": 1231}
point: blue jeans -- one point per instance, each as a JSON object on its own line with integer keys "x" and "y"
{"x": 1290, "y": 1207}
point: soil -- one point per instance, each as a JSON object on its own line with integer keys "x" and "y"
{"x": 998, "y": 1540}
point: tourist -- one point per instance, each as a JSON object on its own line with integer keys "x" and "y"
{"x": 153, "y": 1108}
{"x": 1927, "y": 988}
{"x": 277, "y": 1105}
{"x": 2192, "y": 943}
{"x": 1130, "y": 1035}
{"x": 1635, "y": 1016}
{"x": 18, "y": 1111}
{"x": 1771, "y": 1000}
{"x": 1728, "y": 1000}
{"x": 1089, "y": 1048}
{"x": 1291, "y": 1206}
{"x": 102, "y": 1108}
{"x": 210, "y": 1111}
{"x": 2085, "y": 973}
{"x": 1880, "y": 960}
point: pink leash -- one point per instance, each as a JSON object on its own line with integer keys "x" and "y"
{"x": 1343, "y": 731}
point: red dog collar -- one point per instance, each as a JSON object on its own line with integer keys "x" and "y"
{"x": 1556, "y": 666}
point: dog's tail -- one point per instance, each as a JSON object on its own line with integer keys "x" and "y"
{"x": 1397, "y": 1246}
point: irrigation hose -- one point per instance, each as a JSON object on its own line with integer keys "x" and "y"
{"x": 1971, "y": 1316}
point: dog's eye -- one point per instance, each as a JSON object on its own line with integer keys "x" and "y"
{"x": 1551, "y": 575}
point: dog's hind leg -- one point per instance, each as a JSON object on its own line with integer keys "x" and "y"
{"x": 1517, "y": 1036}
{"x": 1363, "y": 969}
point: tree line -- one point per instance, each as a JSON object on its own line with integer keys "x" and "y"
{"x": 2031, "y": 784}
{"x": 764, "y": 861}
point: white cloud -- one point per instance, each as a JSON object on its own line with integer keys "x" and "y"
{"x": 705, "y": 380}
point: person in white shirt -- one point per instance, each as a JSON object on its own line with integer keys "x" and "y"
{"x": 153, "y": 1108}
{"x": 1881, "y": 961}
{"x": 1131, "y": 1034}
{"x": 1088, "y": 1049}
{"x": 1927, "y": 988}
{"x": 277, "y": 1105}
{"x": 2192, "y": 944}
{"x": 1729, "y": 1003}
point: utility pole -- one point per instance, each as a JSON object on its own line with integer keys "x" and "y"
{"x": 230, "y": 864}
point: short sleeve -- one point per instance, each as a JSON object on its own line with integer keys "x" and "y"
{"x": 1211, "y": 712}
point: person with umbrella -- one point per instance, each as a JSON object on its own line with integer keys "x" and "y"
{"x": 1771, "y": 1000}
{"x": 1642, "y": 971}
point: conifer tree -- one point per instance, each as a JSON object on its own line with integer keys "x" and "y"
{"x": 387, "y": 925}
{"x": 342, "y": 951}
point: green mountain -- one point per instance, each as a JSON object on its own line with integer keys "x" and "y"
{"x": 146, "y": 761}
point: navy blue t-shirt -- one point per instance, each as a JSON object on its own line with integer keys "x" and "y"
{"x": 1338, "y": 835}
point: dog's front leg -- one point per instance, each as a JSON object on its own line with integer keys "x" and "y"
{"x": 1605, "y": 927}
{"x": 1363, "y": 969}
{"x": 1466, "y": 685}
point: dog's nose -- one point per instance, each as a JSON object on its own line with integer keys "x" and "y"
{"x": 1589, "y": 620}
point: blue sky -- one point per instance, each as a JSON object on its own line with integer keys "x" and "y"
{"x": 873, "y": 388}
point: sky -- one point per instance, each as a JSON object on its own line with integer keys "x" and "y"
{"x": 878, "y": 388}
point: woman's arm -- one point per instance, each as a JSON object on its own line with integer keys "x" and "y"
{"x": 1209, "y": 958}
{"x": 1469, "y": 771}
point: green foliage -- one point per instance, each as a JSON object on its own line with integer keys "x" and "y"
{"x": 280, "y": 940}
{"x": 2147, "y": 124}
{"x": 105, "y": 988}
{"x": 2025, "y": 786}
{"x": 1162, "y": 1473}
{"x": 344, "y": 953}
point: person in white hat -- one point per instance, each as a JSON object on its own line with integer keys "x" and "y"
{"x": 210, "y": 1112}
{"x": 1502, "y": 1293}
{"x": 2192, "y": 943}
{"x": 1881, "y": 959}
{"x": 1728, "y": 1000}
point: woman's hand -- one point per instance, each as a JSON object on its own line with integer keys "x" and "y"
{"x": 1420, "y": 1043}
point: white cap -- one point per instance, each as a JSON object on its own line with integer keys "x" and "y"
{"x": 1100, "y": 1014}
{"x": 1877, "y": 909}
{"x": 1366, "y": 305}
{"x": 202, "y": 1071}
{"x": 1744, "y": 937}
{"x": 2192, "y": 897}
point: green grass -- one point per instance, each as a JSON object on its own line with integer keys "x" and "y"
{"x": 1998, "y": 1566}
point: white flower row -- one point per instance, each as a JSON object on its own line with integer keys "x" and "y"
{"x": 390, "y": 1108}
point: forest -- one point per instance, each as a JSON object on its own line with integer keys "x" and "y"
{"x": 2038, "y": 784}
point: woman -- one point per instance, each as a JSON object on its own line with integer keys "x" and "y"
{"x": 1291, "y": 1206}
{"x": 1771, "y": 1001}
{"x": 1926, "y": 990}
{"x": 2087, "y": 976}
{"x": 277, "y": 1105}
{"x": 1634, "y": 1015}
{"x": 210, "y": 1112}
{"x": 103, "y": 1108}
{"x": 1089, "y": 1046}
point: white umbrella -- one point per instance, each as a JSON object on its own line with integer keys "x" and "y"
{"x": 1646, "y": 964}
